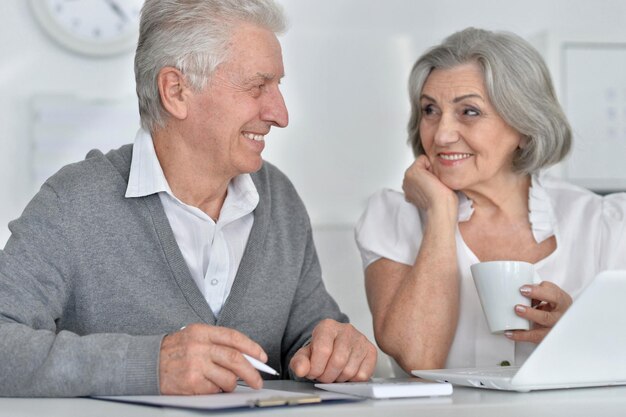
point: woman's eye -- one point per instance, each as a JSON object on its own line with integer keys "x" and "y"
{"x": 428, "y": 110}
{"x": 471, "y": 112}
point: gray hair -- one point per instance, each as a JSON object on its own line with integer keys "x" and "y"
{"x": 192, "y": 36}
{"x": 519, "y": 87}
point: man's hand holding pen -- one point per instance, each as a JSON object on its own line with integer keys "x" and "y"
{"x": 203, "y": 359}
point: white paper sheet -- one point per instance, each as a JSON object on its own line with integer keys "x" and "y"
{"x": 242, "y": 397}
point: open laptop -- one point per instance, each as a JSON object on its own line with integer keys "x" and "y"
{"x": 586, "y": 348}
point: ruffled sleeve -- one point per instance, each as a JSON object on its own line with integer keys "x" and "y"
{"x": 613, "y": 253}
{"x": 389, "y": 228}
{"x": 541, "y": 214}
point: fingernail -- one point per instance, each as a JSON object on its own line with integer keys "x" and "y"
{"x": 520, "y": 309}
{"x": 525, "y": 290}
{"x": 508, "y": 334}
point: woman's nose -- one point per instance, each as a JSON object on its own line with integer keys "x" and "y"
{"x": 447, "y": 131}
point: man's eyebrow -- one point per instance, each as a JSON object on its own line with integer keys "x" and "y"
{"x": 265, "y": 76}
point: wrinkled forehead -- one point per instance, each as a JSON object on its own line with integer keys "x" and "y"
{"x": 456, "y": 81}
{"x": 254, "y": 52}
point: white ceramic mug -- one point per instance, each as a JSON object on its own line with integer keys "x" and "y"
{"x": 498, "y": 284}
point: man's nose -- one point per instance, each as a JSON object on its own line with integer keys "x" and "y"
{"x": 274, "y": 108}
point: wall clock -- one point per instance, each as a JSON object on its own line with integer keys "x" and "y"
{"x": 90, "y": 27}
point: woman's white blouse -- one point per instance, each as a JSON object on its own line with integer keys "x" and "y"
{"x": 590, "y": 232}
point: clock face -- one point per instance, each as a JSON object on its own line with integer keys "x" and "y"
{"x": 93, "y": 27}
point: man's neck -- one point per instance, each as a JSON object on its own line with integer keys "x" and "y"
{"x": 192, "y": 179}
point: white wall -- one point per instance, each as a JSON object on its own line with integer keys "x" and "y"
{"x": 347, "y": 63}
{"x": 346, "y": 60}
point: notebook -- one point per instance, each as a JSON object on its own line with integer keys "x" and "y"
{"x": 586, "y": 348}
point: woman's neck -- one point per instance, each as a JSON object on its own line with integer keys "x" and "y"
{"x": 507, "y": 194}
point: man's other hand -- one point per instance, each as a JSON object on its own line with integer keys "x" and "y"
{"x": 337, "y": 353}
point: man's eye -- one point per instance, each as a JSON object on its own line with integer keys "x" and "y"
{"x": 257, "y": 89}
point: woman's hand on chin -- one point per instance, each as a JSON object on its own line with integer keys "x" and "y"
{"x": 423, "y": 189}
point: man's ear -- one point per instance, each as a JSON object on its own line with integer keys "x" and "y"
{"x": 174, "y": 92}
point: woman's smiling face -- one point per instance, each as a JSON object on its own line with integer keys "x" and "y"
{"x": 466, "y": 140}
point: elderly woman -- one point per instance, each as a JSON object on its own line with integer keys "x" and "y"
{"x": 485, "y": 123}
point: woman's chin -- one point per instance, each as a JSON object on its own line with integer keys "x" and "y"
{"x": 455, "y": 184}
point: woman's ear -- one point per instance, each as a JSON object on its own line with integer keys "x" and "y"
{"x": 523, "y": 142}
{"x": 173, "y": 91}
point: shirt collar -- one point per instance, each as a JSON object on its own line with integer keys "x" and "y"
{"x": 147, "y": 177}
{"x": 540, "y": 213}
{"x": 242, "y": 198}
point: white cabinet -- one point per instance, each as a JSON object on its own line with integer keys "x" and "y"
{"x": 590, "y": 78}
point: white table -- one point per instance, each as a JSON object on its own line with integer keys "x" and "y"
{"x": 606, "y": 401}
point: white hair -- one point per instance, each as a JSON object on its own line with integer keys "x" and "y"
{"x": 192, "y": 36}
{"x": 518, "y": 84}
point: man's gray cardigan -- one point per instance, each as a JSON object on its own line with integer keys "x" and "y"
{"x": 91, "y": 281}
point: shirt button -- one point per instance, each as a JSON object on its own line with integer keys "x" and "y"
{"x": 214, "y": 281}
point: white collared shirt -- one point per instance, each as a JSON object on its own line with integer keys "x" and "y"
{"x": 212, "y": 250}
{"x": 590, "y": 233}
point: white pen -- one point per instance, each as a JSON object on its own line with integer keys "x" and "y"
{"x": 260, "y": 365}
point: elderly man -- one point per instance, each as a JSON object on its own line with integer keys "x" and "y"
{"x": 155, "y": 267}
